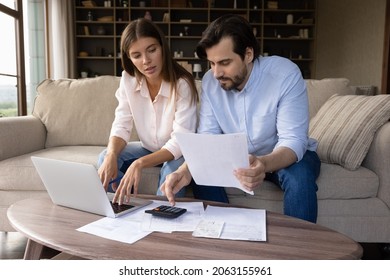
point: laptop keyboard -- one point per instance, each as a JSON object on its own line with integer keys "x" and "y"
{"x": 120, "y": 208}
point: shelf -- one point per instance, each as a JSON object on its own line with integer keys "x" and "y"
{"x": 95, "y": 36}
{"x": 187, "y": 58}
{"x": 297, "y": 40}
{"x": 95, "y": 57}
{"x": 287, "y": 39}
{"x": 289, "y": 10}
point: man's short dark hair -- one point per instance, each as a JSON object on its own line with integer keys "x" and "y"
{"x": 233, "y": 26}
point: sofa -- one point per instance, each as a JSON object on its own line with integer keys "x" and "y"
{"x": 71, "y": 121}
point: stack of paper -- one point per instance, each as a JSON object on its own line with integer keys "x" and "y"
{"x": 138, "y": 224}
{"x": 214, "y": 222}
{"x": 233, "y": 223}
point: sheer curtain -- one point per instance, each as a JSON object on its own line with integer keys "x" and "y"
{"x": 60, "y": 31}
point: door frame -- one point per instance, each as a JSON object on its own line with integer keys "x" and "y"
{"x": 386, "y": 53}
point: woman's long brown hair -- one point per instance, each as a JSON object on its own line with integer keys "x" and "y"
{"x": 171, "y": 70}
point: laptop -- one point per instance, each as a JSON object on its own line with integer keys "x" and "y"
{"x": 77, "y": 185}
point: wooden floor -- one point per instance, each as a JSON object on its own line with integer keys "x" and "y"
{"x": 12, "y": 245}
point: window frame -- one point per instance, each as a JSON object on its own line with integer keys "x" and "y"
{"x": 17, "y": 14}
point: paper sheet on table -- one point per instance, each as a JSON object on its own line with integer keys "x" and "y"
{"x": 207, "y": 228}
{"x": 186, "y": 222}
{"x": 239, "y": 223}
{"x": 212, "y": 158}
{"x": 138, "y": 224}
{"x": 126, "y": 228}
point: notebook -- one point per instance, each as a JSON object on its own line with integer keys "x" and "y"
{"x": 78, "y": 186}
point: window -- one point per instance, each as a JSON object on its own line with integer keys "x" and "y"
{"x": 10, "y": 85}
{"x": 8, "y": 69}
{"x": 22, "y": 53}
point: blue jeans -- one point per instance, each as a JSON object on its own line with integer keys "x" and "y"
{"x": 134, "y": 151}
{"x": 298, "y": 181}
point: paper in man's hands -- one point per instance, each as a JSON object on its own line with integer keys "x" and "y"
{"x": 212, "y": 158}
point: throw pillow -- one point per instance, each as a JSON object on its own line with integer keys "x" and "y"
{"x": 345, "y": 126}
{"x": 318, "y": 91}
{"x": 77, "y": 112}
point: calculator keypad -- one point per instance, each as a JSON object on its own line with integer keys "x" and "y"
{"x": 167, "y": 211}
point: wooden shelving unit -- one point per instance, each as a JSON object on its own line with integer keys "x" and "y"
{"x": 98, "y": 29}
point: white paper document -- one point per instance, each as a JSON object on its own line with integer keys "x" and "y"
{"x": 207, "y": 228}
{"x": 238, "y": 223}
{"x": 126, "y": 228}
{"x": 212, "y": 158}
{"x": 185, "y": 222}
{"x": 138, "y": 224}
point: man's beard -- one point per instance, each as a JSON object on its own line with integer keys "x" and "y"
{"x": 236, "y": 81}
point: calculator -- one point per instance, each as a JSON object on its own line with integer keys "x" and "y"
{"x": 166, "y": 211}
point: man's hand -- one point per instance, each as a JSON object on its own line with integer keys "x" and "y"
{"x": 174, "y": 182}
{"x": 252, "y": 177}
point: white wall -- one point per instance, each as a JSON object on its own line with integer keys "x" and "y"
{"x": 350, "y": 38}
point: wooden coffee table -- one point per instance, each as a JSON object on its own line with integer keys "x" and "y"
{"x": 49, "y": 225}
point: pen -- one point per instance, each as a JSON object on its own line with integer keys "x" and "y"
{"x": 115, "y": 180}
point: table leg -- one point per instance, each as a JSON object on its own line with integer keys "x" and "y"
{"x": 37, "y": 251}
{"x": 33, "y": 250}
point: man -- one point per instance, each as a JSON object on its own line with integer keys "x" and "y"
{"x": 266, "y": 98}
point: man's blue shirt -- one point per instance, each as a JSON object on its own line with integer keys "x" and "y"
{"x": 272, "y": 109}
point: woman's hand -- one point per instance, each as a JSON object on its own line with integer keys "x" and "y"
{"x": 129, "y": 183}
{"x": 108, "y": 170}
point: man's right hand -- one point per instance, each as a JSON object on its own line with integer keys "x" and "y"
{"x": 175, "y": 181}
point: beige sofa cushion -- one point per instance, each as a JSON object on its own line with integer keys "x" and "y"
{"x": 345, "y": 126}
{"x": 319, "y": 91}
{"x": 21, "y": 167}
{"x": 334, "y": 182}
{"x": 77, "y": 112}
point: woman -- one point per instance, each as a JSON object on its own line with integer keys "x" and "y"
{"x": 159, "y": 98}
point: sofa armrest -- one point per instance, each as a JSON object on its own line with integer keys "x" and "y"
{"x": 378, "y": 160}
{"x": 21, "y": 135}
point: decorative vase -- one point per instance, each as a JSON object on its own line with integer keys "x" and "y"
{"x": 100, "y": 30}
{"x": 148, "y": 15}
